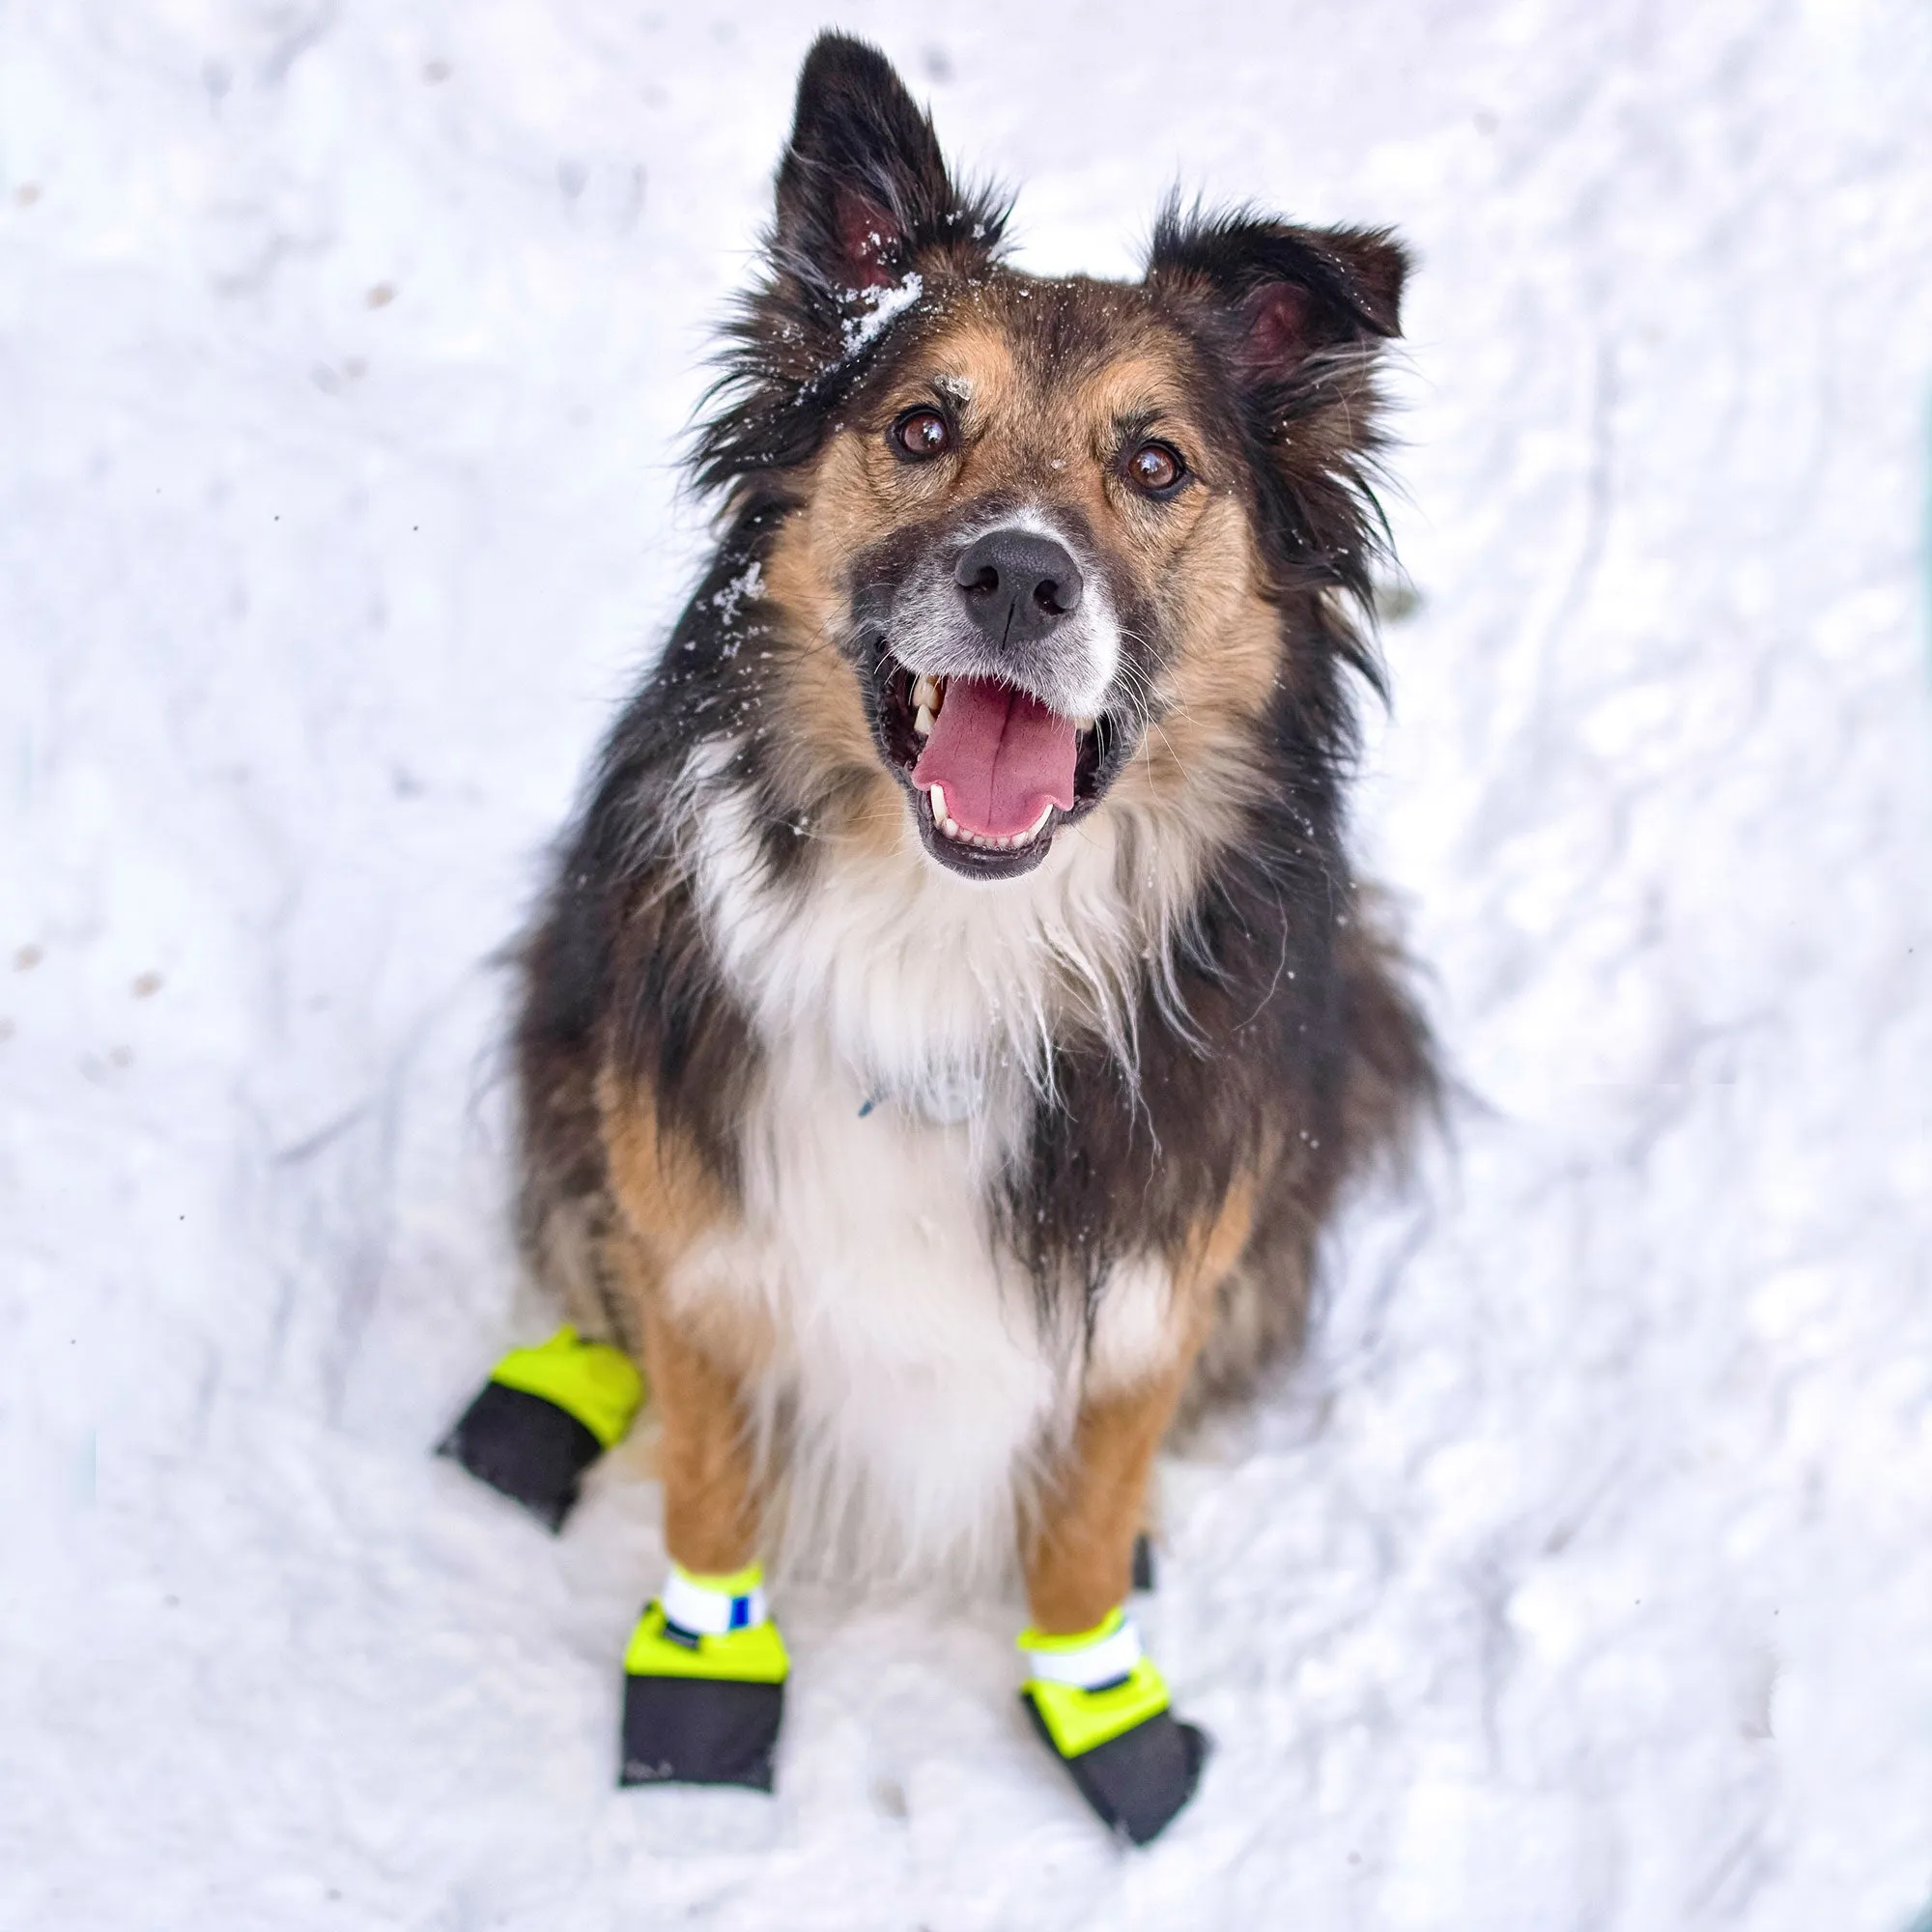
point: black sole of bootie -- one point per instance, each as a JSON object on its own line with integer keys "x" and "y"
{"x": 1137, "y": 1781}
{"x": 700, "y": 1730}
{"x": 525, "y": 1448}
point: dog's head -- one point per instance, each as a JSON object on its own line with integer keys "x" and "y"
{"x": 1039, "y": 539}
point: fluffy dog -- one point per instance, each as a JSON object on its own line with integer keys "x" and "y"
{"x": 953, "y": 1016}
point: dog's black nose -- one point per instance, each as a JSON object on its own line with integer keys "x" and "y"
{"x": 1017, "y": 585}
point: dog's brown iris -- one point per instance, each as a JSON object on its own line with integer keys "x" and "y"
{"x": 1155, "y": 467}
{"x": 922, "y": 433}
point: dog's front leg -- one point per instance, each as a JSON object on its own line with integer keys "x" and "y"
{"x": 704, "y": 1452}
{"x": 1079, "y": 1562}
{"x": 705, "y": 1667}
{"x": 1093, "y": 1693}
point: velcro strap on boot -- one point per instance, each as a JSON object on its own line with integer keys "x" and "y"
{"x": 1093, "y": 1684}
{"x": 715, "y": 1605}
{"x": 717, "y": 1627}
{"x": 1104, "y": 1655}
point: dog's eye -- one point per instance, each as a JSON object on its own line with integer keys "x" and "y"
{"x": 1155, "y": 467}
{"x": 922, "y": 433}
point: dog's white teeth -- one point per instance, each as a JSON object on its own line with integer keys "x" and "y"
{"x": 941, "y": 818}
{"x": 1006, "y": 842}
{"x": 925, "y": 695}
{"x": 922, "y": 722}
{"x": 1084, "y": 723}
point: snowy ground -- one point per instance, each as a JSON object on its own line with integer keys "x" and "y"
{"x": 1580, "y": 1580}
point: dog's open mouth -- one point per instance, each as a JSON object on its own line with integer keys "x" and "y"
{"x": 993, "y": 771}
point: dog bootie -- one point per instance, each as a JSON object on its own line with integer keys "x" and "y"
{"x": 1100, "y": 1705}
{"x": 705, "y": 1679}
{"x": 544, "y": 1416}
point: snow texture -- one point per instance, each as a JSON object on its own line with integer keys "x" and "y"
{"x": 1578, "y": 1579}
{"x": 882, "y": 307}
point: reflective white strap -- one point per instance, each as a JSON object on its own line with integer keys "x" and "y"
{"x": 692, "y": 1606}
{"x": 1103, "y": 1662}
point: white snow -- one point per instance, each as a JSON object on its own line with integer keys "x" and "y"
{"x": 883, "y": 305}
{"x": 1580, "y": 1579}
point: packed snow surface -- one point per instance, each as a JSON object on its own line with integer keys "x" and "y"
{"x": 1580, "y": 1578}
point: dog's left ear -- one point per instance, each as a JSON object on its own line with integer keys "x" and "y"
{"x": 863, "y": 187}
{"x": 1292, "y": 319}
{"x": 1281, "y": 295}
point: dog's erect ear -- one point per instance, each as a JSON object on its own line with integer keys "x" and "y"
{"x": 1293, "y": 317}
{"x": 864, "y": 197}
{"x": 863, "y": 186}
{"x": 1285, "y": 293}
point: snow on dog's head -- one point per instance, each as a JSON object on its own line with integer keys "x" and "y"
{"x": 1027, "y": 543}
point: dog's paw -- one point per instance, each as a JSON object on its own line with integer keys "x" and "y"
{"x": 543, "y": 1419}
{"x": 703, "y": 1705}
{"x": 700, "y": 1730}
{"x": 1101, "y": 1707}
{"x": 1138, "y": 1779}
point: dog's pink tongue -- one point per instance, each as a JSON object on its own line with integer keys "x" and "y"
{"x": 999, "y": 754}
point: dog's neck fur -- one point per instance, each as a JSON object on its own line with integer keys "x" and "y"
{"x": 933, "y": 991}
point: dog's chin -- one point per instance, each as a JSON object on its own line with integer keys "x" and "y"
{"x": 965, "y": 854}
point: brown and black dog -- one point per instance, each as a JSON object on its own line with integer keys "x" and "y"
{"x": 953, "y": 1015}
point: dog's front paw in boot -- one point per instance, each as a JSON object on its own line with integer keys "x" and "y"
{"x": 543, "y": 1419}
{"x": 1101, "y": 1707}
{"x": 704, "y": 1677}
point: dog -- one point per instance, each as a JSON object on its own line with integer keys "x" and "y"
{"x": 953, "y": 1018}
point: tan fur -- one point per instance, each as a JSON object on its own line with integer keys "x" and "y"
{"x": 705, "y": 1455}
{"x": 827, "y": 760}
{"x": 668, "y": 1202}
{"x": 1214, "y": 1250}
{"x": 668, "y": 1198}
{"x": 694, "y": 1360}
{"x": 1079, "y": 1556}
{"x": 1079, "y": 1561}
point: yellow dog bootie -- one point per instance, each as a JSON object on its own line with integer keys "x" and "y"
{"x": 704, "y": 1677}
{"x": 544, "y": 1416}
{"x": 1102, "y": 1708}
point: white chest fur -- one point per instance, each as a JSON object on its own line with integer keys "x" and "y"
{"x": 915, "y": 1391}
{"x": 912, "y": 1387}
